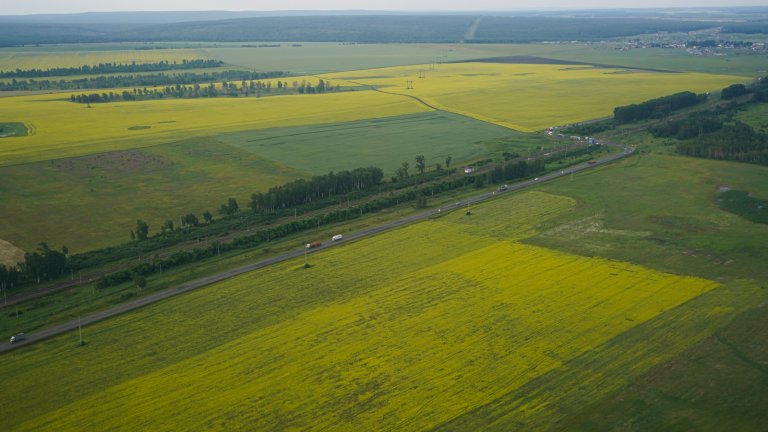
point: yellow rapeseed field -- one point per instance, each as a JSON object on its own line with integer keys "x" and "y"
{"x": 404, "y": 331}
{"x": 59, "y": 128}
{"x": 12, "y": 60}
{"x": 532, "y": 97}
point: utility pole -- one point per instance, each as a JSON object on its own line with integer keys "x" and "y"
{"x": 80, "y": 329}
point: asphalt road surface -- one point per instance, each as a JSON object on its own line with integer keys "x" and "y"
{"x": 199, "y": 283}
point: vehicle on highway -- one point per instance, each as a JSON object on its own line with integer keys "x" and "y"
{"x": 313, "y": 245}
{"x": 536, "y": 179}
{"x": 18, "y": 337}
{"x": 337, "y": 237}
{"x": 503, "y": 187}
{"x": 592, "y": 162}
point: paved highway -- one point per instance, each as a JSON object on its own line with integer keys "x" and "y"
{"x": 199, "y": 283}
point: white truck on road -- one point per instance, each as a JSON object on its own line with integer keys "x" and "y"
{"x": 18, "y": 337}
{"x": 337, "y": 237}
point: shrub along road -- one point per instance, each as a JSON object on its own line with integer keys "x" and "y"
{"x": 202, "y": 282}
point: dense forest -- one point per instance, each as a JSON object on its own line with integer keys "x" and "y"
{"x": 535, "y": 29}
{"x": 734, "y": 142}
{"x": 492, "y": 28}
{"x": 230, "y": 89}
{"x": 715, "y": 134}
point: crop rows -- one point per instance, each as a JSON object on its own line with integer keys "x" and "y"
{"x": 406, "y": 332}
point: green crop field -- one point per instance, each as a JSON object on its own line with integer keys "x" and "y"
{"x": 165, "y": 181}
{"x": 384, "y": 142}
{"x": 418, "y": 328}
{"x": 687, "y": 394}
{"x": 314, "y": 58}
{"x": 661, "y": 211}
{"x": 96, "y": 199}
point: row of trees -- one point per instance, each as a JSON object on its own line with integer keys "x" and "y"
{"x": 118, "y": 81}
{"x": 354, "y": 181}
{"x": 141, "y": 232}
{"x": 232, "y": 89}
{"x": 42, "y": 264}
{"x": 303, "y": 191}
{"x": 656, "y": 108}
{"x": 500, "y": 173}
{"x": 759, "y": 89}
{"x": 108, "y": 68}
{"x": 421, "y": 166}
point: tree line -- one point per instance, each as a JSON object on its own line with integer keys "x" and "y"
{"x": 40, "y": 265}
{"x": 690, "y": 127}
{"x": 227, "y": 88}
{"x": 656, "y": 108}
{"x": 299, "y": 192}
{"x": 758, "y": 89}
{"x": 715, "y": 135}
{"x": 118, "y": 81}
{"x": 419, "y": 196}
{"x": 734, "y": 142}
{"x": 358, "y": 183}
{"x": 108, "y": 68}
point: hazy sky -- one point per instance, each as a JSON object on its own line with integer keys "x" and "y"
{"x": 13, "y": 7}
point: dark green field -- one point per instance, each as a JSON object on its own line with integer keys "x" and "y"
{"x": 8, "y": 130}
{"x": 384, "y": 143}
{"x": 746, "y": 205}
{"x": 717, "y": 385}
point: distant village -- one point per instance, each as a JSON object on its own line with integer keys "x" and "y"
{"x": 709, "y": 43}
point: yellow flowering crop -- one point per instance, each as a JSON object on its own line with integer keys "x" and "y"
{"x": 12, "y": 60}
{"x": 59, "y": 128}
{"x": 532, "y": 97}
{"x": 404, "y": 331}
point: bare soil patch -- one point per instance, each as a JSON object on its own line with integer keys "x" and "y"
{"x": 127, "y": 161}
{"x": 10, "y": 255}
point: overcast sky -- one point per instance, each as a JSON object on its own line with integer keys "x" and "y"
{"x": 14, "y": 7}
